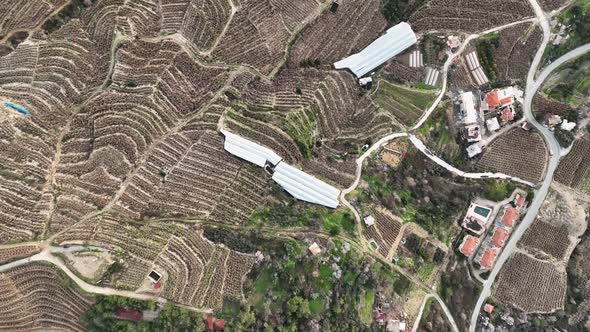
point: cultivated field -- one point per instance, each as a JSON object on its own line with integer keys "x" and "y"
{"x": 385, "y": 232}
{"x": 531, "y": 285}
{"x": 36, "y": 297}
{"x": 332, "y": 37}
{"x": 12, "y": 254}
{"x": 544, "y": 105}
{"x": 515, "y": 51}
{"x": 518, "y": 153}
{"x": 468, "y": 15}
{"x": 574, "y": 169}
{"x": 24, "y": 15}
{"x": 546, "y": 239}
{"x": 406, "y": 104}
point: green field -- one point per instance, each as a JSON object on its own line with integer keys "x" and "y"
{"x": 366, "y": 307}
{"x": 406, "y": 104}
{"x": 437, "y": 135}
{"x": 584, "y": 185}
{"x": 302, "y": 127}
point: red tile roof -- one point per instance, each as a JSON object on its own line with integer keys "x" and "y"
{"x": 507, "y": 114}
{"x": 157, "y": 285}
{"x": 519, "y": 202}
{"x": 506, "y": 100}
{"x": 500, "y": 235}
{"x": 509, "y": 217}
{"x": 129, "y": 314}
{"x": 487, "y": 259}
{"x": 468, "y": 245}
{"x": 488, "y": 308}
{"x": 492, "y": 99}
{"x": 219, "y": 325}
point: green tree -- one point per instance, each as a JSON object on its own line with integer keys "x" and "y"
{"x": 299, "y": 307}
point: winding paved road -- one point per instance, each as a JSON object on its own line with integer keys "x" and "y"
{"x": 533, "y": 86}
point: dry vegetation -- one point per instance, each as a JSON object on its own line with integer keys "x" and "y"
{"x": 549, "y": 5}
{"x": 518, "y": 153}
{"x": 13, "y": 253}
{"x": 24, "y": 14}
{"x": 547, "y": 238}
{"x": 37, "y": 297}
{"x": 531, "y": 285}
{"x": 516, "y": 49}
{"x": 334, "y": 36}
{"x": 573, "y": 170}
{"x": 468, "y": 15}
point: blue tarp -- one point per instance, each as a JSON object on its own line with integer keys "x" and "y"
{"x": 18, "y": 108}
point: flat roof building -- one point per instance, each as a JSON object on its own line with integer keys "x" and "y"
{"x": 397, "y": 39}
{"x": 468, "y": 108}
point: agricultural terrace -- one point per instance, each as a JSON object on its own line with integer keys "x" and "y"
{"x": 574, "y": 168}
{"x": 549, "y": 5}
{"x": 531, "y": 285}
{"x": 39, "y": 297}
{"x": 9, "y": 254}
{"x": 179, "y": 252}
{"x": 506, "y": 55}
{"x": 468, "y": 16}
{"x": 406, "y": 104}
{"x": 333, "y": 36}
{"x": 518, "y": 153}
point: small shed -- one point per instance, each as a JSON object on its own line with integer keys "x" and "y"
{"x": 334, "y": 6}
{"x": 315, "y": 249}
{"x": 369, "y": 221}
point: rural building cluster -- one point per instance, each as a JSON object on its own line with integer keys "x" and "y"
{"x": 488, "y": 227}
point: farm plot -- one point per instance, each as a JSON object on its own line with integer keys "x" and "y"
{"x": 517, "y": 153}
{"x": 549, "y": 239}
{"x": 47, "y": 77}
{"x": 36, "y": 297}
{"x": 468, "y": 15}
{"x": 201, "y": 273}
{"x": 17, "y": 252}
{"x": 573, "y": 170}
{"x": 343, "y": 119}
{"x": 333, "y": 36}
{"x": 404, "y": 103}
{"x": 544, "y": 105}
{"x": 531, "y": 285}
{"x": 549, "y": 5}
{"x": 25, "y": 15}
{"x": 385, "y": 232}
{"x": 514, "y": 51}
{"x": 560, "y": 222}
